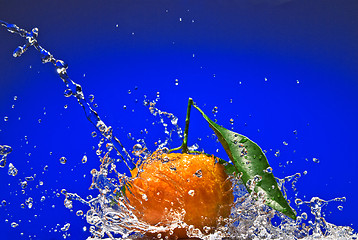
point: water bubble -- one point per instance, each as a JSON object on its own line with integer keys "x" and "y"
{"x": 304, "y": 216}
{"x": 94, "y": 134}
{"x": 340, "y": 208}
{"x": 3, "y": 202}
{"x": 176, "y": 82}
{"x": 14, "y": 225}
{"x": 109, "y": 146}
{"x": 191, "y": 192}
{"x": 45, "y": 167}
{"x": 285, "y": 143}
{"x": 15, "y": 98}
{"x": 268, "y": 170}
{"x": 42, "y": 198}
{"x": 6, "y": 118}
{"x": 231, "y": 121}
{"x": 304, "y": 172}
{"x": 12, "y": 170}
{"x": 65, "y": 107}
{"x": 215, "y": 110}
{"x": 79, "y": 213}
{"x": 265, "y": 79}
{"x": 297, "y": 81}
{"x": 316, "y": 160}
{"x": 129, "y": 92}
{"x": 84, "y": 159}
{"x": 63, "y": 160}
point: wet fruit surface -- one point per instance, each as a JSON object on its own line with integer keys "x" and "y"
{"x": 174, "y": 187}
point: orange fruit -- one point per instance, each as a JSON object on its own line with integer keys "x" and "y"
{"x": 172, "y": 187}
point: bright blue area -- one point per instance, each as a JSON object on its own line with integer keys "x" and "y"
{"x": 232, "y": 42}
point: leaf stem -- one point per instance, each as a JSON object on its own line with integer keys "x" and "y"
{"x": 186, "y": 130}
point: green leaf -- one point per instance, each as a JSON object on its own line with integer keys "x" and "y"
{"x": 251, "y": 162}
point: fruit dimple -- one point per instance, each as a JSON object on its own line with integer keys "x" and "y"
{"x": 181, "y": 187}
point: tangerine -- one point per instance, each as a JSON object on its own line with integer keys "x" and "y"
{"x": 172, "y": 188}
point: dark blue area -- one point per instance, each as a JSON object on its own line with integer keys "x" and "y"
{"x": 220, "y": 50}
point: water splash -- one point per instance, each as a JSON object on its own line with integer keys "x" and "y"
{"x": 109, "y": 214}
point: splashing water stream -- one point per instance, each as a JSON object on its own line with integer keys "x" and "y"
{"x": 110, "y": 213}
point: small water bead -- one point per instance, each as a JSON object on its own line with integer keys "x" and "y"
{"x": 176, "y": 82}
{"x": 277, "y": 153}
{"x": 3, "y": 202}
{"x": 285, "y": 143}
{"x": 315, "y": 160}
{"x": 91, "y": 98}
{"x": 23, "y": 184}
{"x": 340, "y": 208}
{"x": 14, "y": 225}
{"x": 297, "y": 81}
{"x": 109, "y": 146}
{"x": 63, "y": 160}
{"x": 15, "y": 98}
{"x": 191, "y": 192}
{"x": 6, "y": 118}
{"x": 215, "y": 110}
{"x": 84, "y": 159}
{"x": 12, "y": 170}
{"x": 45, "y": 167}
{"x": 298, "y": 202}
{"x": 68, "y": 93}
{"x": 124, "y": 107}
{"x": 144, "y": 197}
{"x": 29, "y": 178}
{"x": 304, "y": 216}
{"x": 66, "y": 227}
{"x": 68, "y": 203}
{"x": 231, "y": 121}
{"x": 305, "y": 172}
{"x": 79, "y": 213}
{"x": 129, "y": 91}
{"x": 94, "y": 134}
{"x": 137, "y": 149}
{"x": 29, "y": 202}
{"x": 198, "y": 173}
{"x": 42, "y": 198}
{"x": 268, "y": 170}
{"x": 65, "y": 107}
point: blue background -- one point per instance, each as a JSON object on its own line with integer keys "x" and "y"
{"x": 220, "y": 52}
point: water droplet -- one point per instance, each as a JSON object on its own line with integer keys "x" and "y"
{"x": 176, "y": 82}
{"x": 91, "y": 98}
{"x": 215, "y": 110}
{"x": 294, "y": 131}
{"x": 65, "y": 227}
{"x": 285, "y": 143}
{"x": 84, "y": 159}
{"x": 15, "y": 98}
{"x": 265, "y": 79}
{"x": 297, "y": 81}
{"x": 316, "y": 160}
{"x": 68, "y": 93}
{"x": 124, "y": 107}
{"x": 79, "y": 213}
{"x": 268, "y": 170}
{"x": 129, "y": 91}
{"x": 63, "y": 160}
{"x": 14, "y": 224}
{"x": 3, "y": 202}
{"x": 12, "y": 170}
{"x": 144, "y": 197}
{"x": 23, "y": 184}
{"x": 231, "y": 121}
{"x": 68, "y": 203}
{"x": 298, "y": 202}
{"x": 191, "y": 192}
{"x": 94, "y": 134}
{"x": 198, "y": 173}
{"x": 42, "y": 198}
{"x": 65, "y": 107}
{"x": 340, "y": 208}
{"x": 29, "y": 178}
{"x": 137, "y": 149}
{"x": 6, "y": 118}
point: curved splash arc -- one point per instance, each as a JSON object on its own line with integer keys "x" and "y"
{"x": 73, "y": 88}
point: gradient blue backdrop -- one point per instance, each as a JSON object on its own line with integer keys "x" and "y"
{"x": 220, "y": 51}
